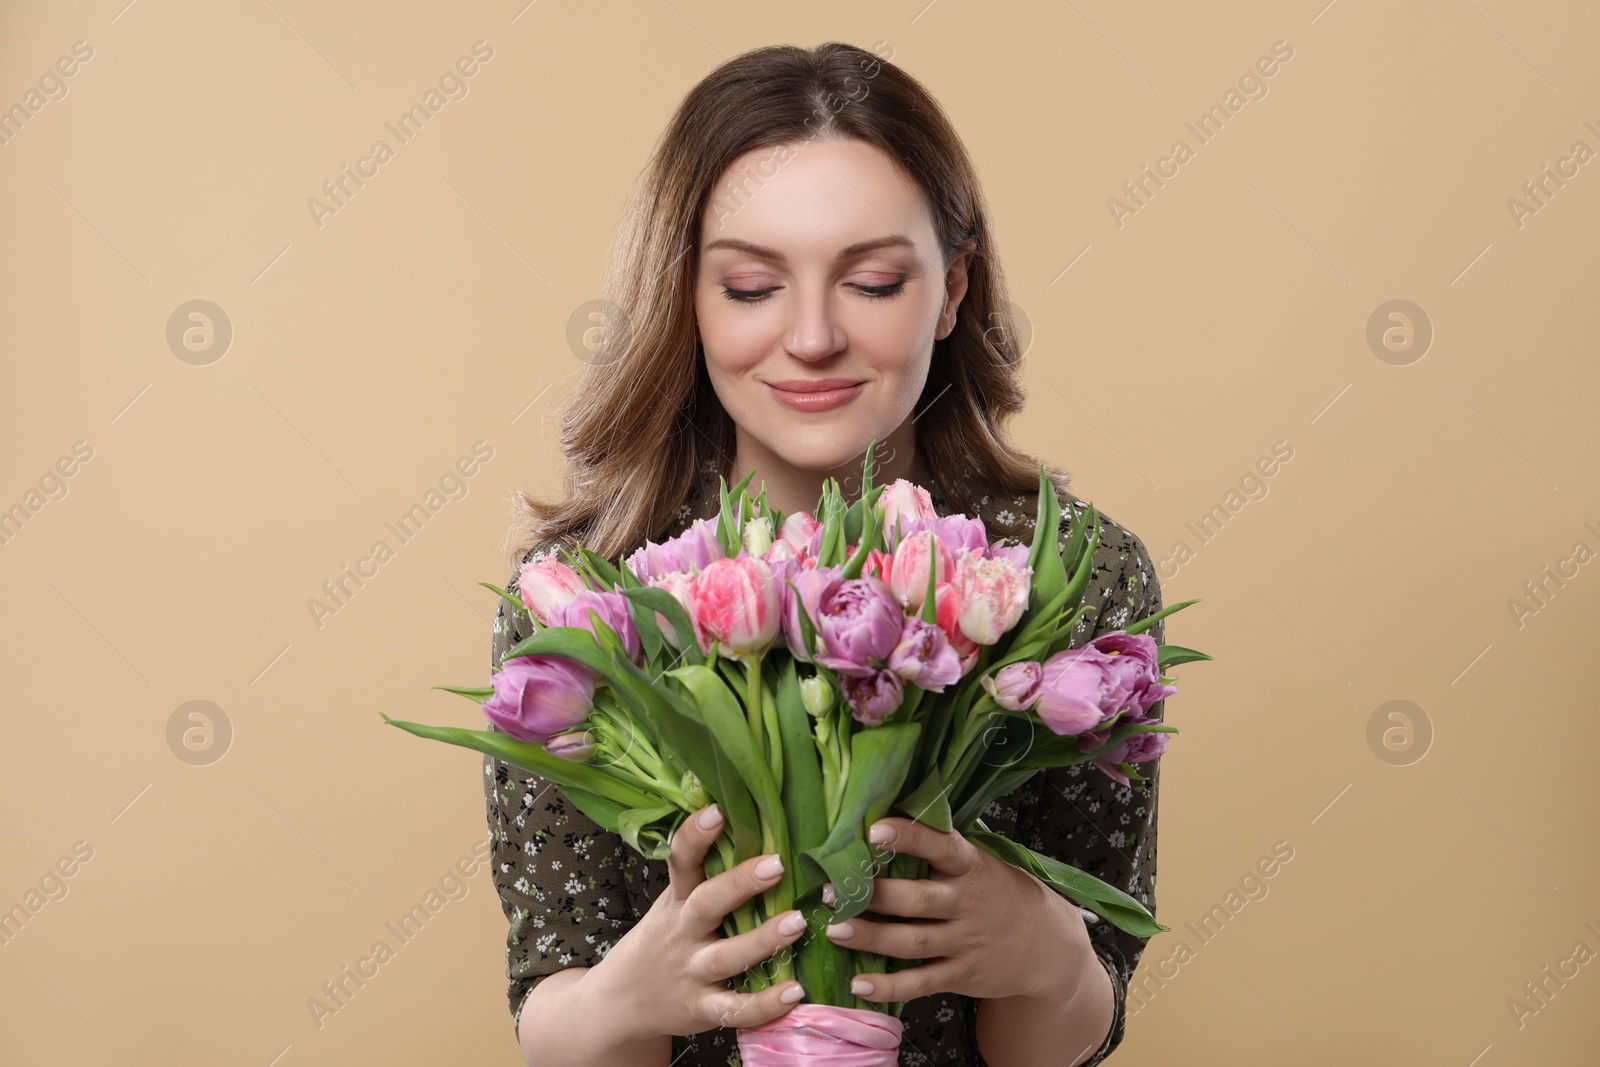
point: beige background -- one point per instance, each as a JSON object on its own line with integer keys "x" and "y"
{"x": 432, "y": 311}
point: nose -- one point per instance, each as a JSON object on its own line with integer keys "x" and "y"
{"x": 814, "y": 330}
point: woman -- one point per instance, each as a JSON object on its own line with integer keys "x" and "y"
{"x": 808, "y": 266}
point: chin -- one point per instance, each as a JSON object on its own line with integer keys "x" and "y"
{"x": 821, "y": 450}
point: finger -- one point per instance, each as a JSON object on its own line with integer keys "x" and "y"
{"x": 759, "y": 949}
{"x": 727, "y": 1008}
{"x": 915, "y": 898}
{"x": 902, "y": 940}
{"x": 715, "y": 897}
{"x": 944, "y": 849}
{"x": 936, "y": 977}
{"x": 686, "y": 859}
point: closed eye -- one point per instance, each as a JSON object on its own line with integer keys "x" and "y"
{"x": 876, "y": 292}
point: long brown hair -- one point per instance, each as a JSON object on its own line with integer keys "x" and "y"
{"x": 644, "y": 426}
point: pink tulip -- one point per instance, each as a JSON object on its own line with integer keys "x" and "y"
{"x": 803, "y": 535}
{"x": 879, "y": 564}
{"x": 735, "y": 606}
{"x": 908, "y": 502}
{"x": 546, "y": 584}
{"x": 677, "y": 583}
{"x": 537, "y": 697}
{"x": 908, "y": 574}
{"x": 993, "y": 595}
{"x": 947, "y": 613}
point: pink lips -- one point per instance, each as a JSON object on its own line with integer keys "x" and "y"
{"x": 814, "y": 394}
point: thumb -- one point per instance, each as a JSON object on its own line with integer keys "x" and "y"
{"x": 744, "y": 1010}
{"x": 686, "y": 859}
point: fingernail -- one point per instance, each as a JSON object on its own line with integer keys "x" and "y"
{"x": 792, "y": 994}
{"x": 861, "y": 987}
{"x": 791, "y": 923}
{"x": 770, "y": 867}
{"x": 710, "y": 817}
{"x": 827, "y": 894}
{"x": 842, "y": 931}
{"x": 881, "y": 833}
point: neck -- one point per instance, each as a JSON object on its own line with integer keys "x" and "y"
{"x": 790, "y": 488}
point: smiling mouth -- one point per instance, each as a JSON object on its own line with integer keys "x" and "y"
{"x": 820, "y": 395}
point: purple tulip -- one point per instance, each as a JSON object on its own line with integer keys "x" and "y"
{"x": 815, "y": 584}
{"x": 613, "y": 609}
{"x": 872, "y": 695}
{"x": 962, "y": 531}
{"x": 1016, "y": 555}
{"x": 1015, "y": 686}
{"x": 575, "y": 747}
{"x": 693, "y": 550}
{"x": 1074, "y": 690}
{"x": 858, "y": 624}
{"x": 1136, "y": 668}
{"x": 924, "y": 656}
{"x": 1114, "y": 673}
{"x": 537, "y": 697}
{"x": 1139, "y": 748}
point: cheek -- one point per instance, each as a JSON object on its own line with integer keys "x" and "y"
{"x": 733, "y": 341}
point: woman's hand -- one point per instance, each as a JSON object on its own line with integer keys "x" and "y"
{"x": 979, "y": 921}
{"x": 669, "y": 973}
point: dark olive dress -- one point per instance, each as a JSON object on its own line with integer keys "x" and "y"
{"x": 571, "y": 889}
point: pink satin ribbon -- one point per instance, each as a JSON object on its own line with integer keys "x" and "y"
{"x": 821, "y": 1035}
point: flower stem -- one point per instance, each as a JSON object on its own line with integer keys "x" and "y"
{"x": 752, "y": 673}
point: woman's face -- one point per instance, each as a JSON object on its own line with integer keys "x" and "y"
{"x": 820, "y": 291}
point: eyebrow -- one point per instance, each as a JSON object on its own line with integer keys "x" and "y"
{"x": 848, "y": 252}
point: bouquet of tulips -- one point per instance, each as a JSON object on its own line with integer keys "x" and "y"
{"x": 811, "y": 673}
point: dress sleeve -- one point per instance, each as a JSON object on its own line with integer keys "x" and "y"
{"x": 564, "y": 881}
{"x": 1078, "y": 814}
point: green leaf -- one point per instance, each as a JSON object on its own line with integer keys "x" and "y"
{"x": 880, "y": 757}
{"x": 536, "y": 760}
{"x": 1174, "y": 655}
{"x": 479, "y": 695}
{"x": 1080, "y": 887}
{"x": 1049, "y": 575}
{"x": 928, "y": 803}
{"x": 1150, "y": 620}
{"x": 803, "y": 799}
{"x": 681, "y": 732}
{"x": 602, "y": 810}
{"x": 851, "y": 868}
{"x": 601, "y": 567}
{"x": 724, "y": 716}
{"x": 647, "y": 601}
{"x": 515, "y": 602}
{"x": 634, "y": 821}
{"x": 808, "y": 632}
{"x": 866, "y": 528}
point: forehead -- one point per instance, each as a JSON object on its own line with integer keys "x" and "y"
{"x": 815, "y": 198}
